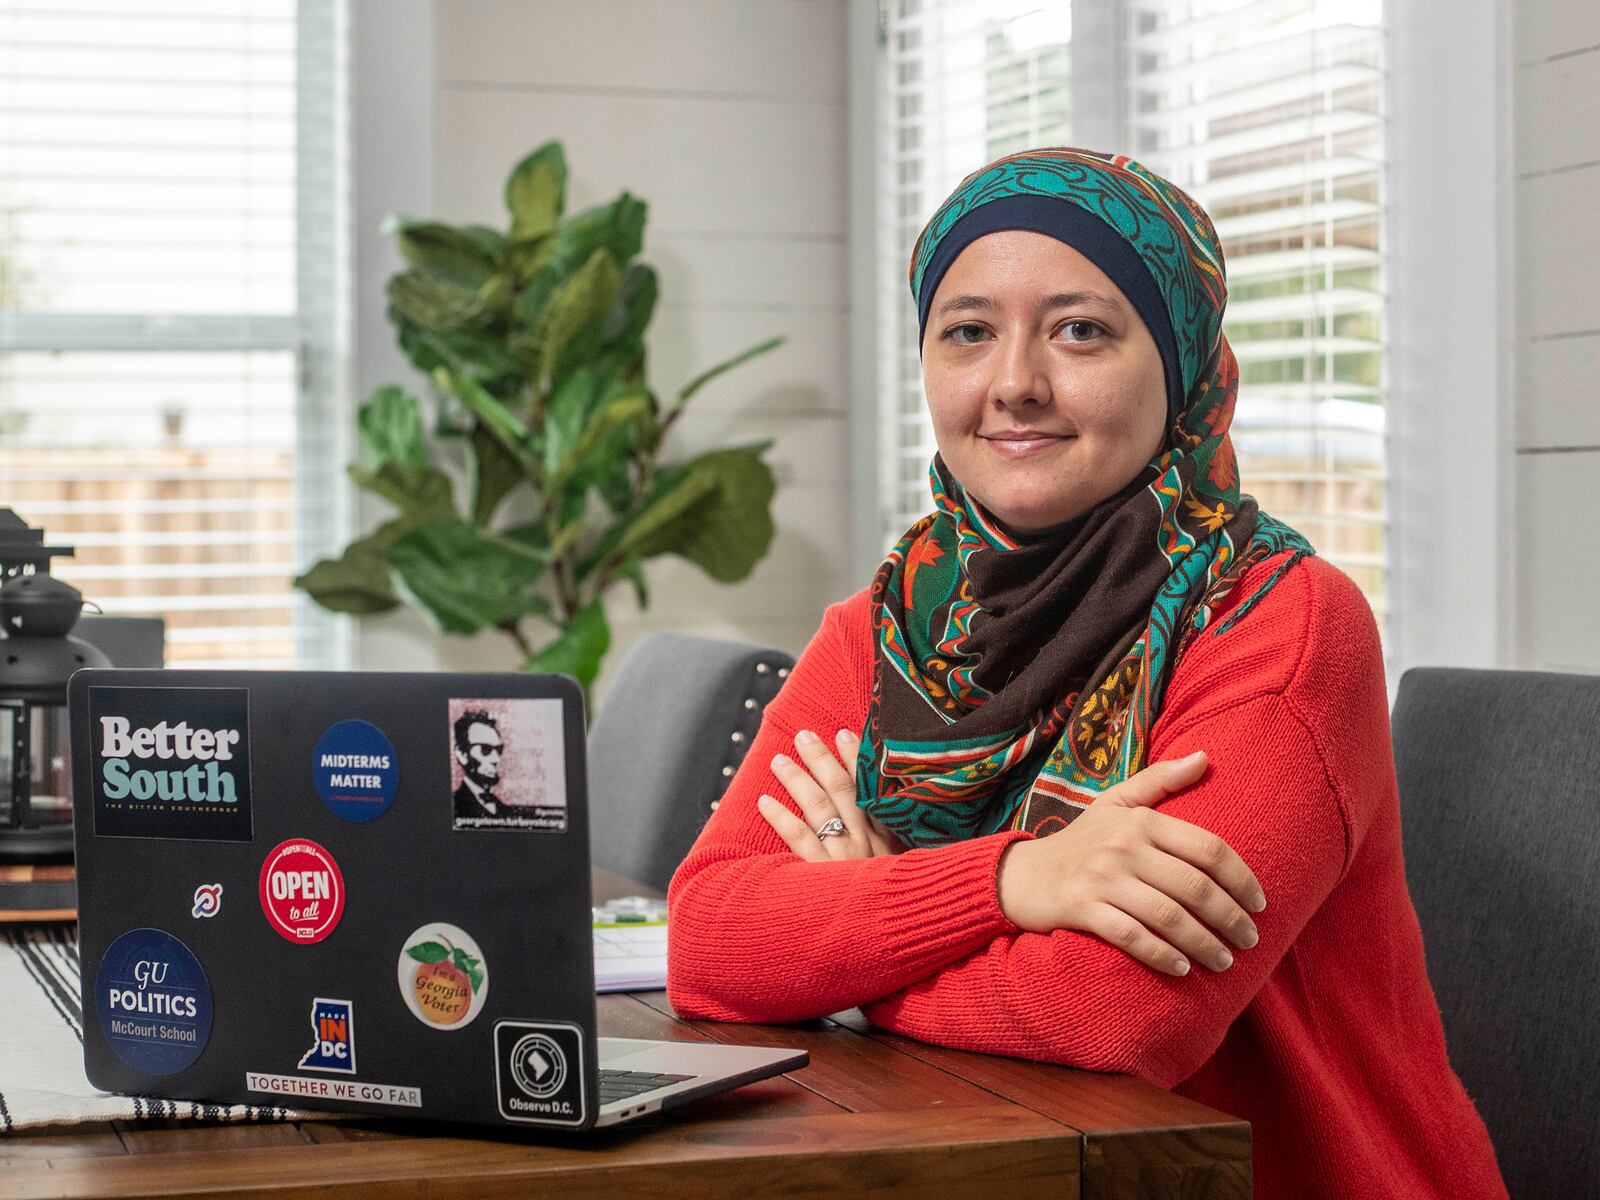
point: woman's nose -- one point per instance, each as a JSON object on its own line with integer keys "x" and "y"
{"x": 1019, "y": 374}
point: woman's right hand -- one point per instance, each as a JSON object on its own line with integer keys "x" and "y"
{"x": 1142, "y": 880}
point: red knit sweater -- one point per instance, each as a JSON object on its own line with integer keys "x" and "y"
{"x": 1325, "y": 1036}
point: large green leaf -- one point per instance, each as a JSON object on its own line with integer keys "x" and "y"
{"x": 536, "y": 191}
{"x": 492, "y": 474}
{"x": 505, "y": 426}
{"x": 600, "y": 434}
{"x": 391, "y": 429}
{"x": 465, "y": 254}
{"x": 434, "y": 303}
{"x": 579, "y": 649}
{"x": 470, "y": 353}
{"x": 616, "y": 227}
{"x": 467, "y": 578}
{"x": 419, "y": 494}
{"x": 633, "y": 569}
{"x": 716, "y": 513}
{"x": 578, "y": 307}
{"x": 357, "y": 581}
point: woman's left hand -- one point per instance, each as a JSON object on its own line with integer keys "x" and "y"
{"x": 825, "y": 791}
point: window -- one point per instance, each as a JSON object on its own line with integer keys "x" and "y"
{"x": 170, "y": 282}
{"x": 1268, "y": 112}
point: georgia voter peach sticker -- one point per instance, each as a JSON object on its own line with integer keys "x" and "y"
{"x": 302, "y": 891}
{"x": 443, "y": 976}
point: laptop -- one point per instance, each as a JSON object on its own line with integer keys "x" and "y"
{"x": 354, "y": 891}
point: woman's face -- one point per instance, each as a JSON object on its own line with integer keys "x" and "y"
{"x": 1025, "y": 333}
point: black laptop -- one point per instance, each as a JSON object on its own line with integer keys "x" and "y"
{"x": 358, "y": 891}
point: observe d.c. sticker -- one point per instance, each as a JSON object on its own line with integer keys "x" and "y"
{"x": 153, "y": 1001}
{"x": 302, "y": 891}
{"x": 355, "y": 770}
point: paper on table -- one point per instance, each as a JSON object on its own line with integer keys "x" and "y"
{"x": 630, "y": 945}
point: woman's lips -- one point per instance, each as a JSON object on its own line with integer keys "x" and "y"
{"x": 1014, "y": 448}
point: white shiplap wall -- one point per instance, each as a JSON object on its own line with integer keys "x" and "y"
{"x": 729, "y": 119}
{"x": 1556, "y": 124}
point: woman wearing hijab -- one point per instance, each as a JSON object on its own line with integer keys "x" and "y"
{"x": 1116, "y": 787}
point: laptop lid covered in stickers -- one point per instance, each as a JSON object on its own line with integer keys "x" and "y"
{"x": 361, "y": 891}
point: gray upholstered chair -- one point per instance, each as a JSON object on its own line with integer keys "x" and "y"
{"x": 1499, "y": 776}
{"x": 673, "y": 727}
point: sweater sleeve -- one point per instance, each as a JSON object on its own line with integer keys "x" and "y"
{"x": 1292, "y": 712}
{"x": 755, "y": 933}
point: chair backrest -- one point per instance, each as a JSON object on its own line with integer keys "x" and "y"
{"x": 1499, "y": 775}
{"x": 676, "y": 721}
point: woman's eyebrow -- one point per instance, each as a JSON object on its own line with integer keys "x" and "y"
{"x": 969, "y": 302}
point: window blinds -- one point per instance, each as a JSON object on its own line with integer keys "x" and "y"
{"x": 165, "y": 371}
{"x": 1269, "y": 112}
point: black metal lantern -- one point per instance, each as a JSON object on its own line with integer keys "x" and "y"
{"x": 38, "y": 654}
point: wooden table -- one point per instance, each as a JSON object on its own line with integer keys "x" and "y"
{"x": 873, "y": 1115}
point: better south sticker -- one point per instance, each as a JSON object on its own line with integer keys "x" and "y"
{"x": 443, "y": 976}
{"x": 355, "y": 770}
{"x": 302, "y": 891}
{"x": 153, "y": 1002}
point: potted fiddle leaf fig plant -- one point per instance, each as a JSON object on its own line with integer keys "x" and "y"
{"x": 531, "y": 343}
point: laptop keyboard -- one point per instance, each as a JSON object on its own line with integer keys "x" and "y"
{"x": 625, "y": 1085}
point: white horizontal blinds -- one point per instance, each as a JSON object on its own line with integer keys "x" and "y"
{"x": 964, "y": 82}
{"x": 1270, "y": 113}
{"x": 151, "y": 336}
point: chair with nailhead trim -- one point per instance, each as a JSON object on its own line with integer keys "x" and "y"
{"x": 675, "y": 723}
{"x": 1497, "y": 774}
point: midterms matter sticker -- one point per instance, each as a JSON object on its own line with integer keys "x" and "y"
{"x": 443, "y": 976}
{"x": 302, "y": 891}
{"x": 153, "y": 1002}
{"x": 356, "y": 770}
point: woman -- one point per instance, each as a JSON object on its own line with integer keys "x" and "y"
{"x": 1123, "y": 795}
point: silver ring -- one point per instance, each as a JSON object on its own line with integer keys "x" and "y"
{"x": 832, "y": 827}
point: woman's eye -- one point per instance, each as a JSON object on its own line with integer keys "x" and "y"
{"x": 1089, "y": 325}
{"x": 952, "y": 334}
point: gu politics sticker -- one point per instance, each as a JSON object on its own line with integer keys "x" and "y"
{"x": 538, "y": 1072}
{"x": 333, "y": 1037}
{"x": 356, "y": 770}
{"x": 443, "y": 976}
{"x": 171, "y": 762}
{"x": 153, "y": 1002}
{"x": 302, "y": 891}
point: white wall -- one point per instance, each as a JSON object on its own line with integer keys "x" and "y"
{"x": 729, "y": 120}
{"x": 1557, "y": 194}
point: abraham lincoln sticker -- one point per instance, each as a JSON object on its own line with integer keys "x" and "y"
{"x": 506, "y": 765}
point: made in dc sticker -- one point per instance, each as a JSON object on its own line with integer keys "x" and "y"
{"x": 443, "y": 976}
{"x": 301, "y": 890}
{"x": 508, "y": 765}
{"x": 171, "y": 762}
{"x": 538, "y": 1072}
{"x": 153, "y": 1001}
{"x": 356, "y": 770}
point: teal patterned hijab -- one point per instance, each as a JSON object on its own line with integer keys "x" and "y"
{"x": 1016, "y": 679}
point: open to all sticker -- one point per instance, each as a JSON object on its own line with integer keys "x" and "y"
{"x": 442, "y": 976}
{"x": 302, "y": 891}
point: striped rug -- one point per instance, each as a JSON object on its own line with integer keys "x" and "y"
{"x": 41, "y": 1045}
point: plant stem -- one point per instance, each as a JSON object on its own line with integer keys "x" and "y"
{"x": 513, "y": 628}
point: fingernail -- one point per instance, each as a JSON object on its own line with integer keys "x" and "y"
{"x": 779, "y": 760}
{"x": 805, "y": 737}
{"x": 845, "y": 735}
{"x": 763, "y": 801}
{"x": 1183, "y": 966}
{"x": 1259, "y": 904}
{"x": 1250, "y": 938}
{"x": 1198, "y": 754}
{"x": 1224, "y": 961}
